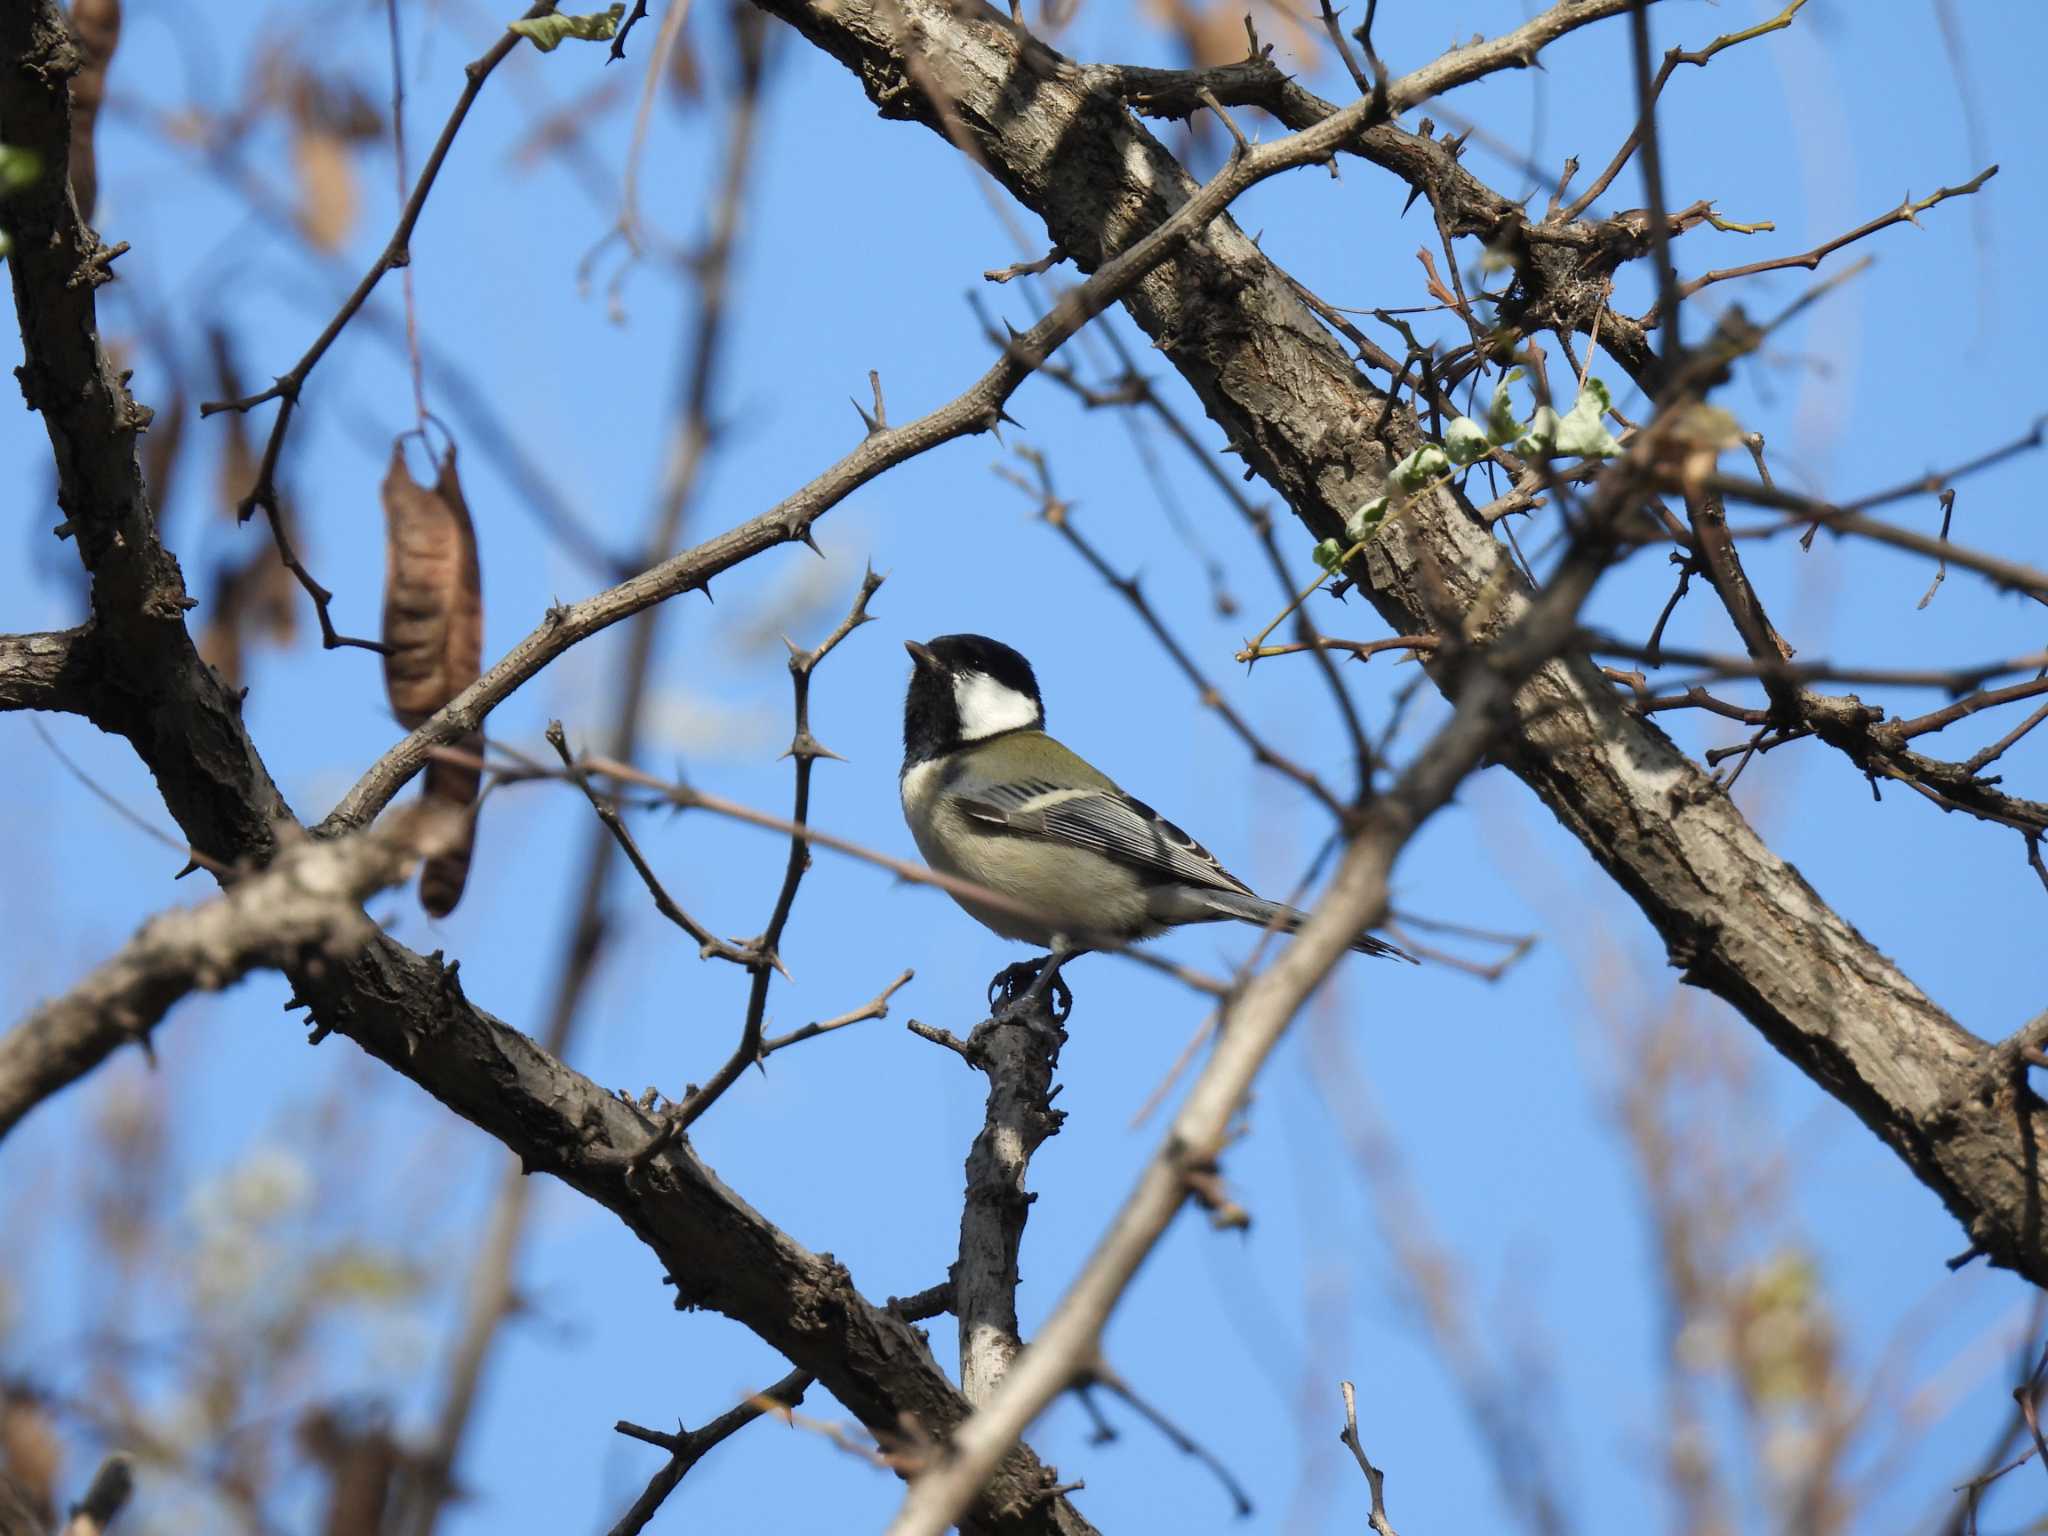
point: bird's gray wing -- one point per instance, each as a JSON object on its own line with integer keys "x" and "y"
{"x": 1108, "y": 821}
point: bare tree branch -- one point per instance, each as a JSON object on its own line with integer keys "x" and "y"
{"x": 183, "y": 722}
{"x": 305, "y": 906}
{"x": 51, "y": 671}
{"x": 1375, "y": 1479}
{"x": 1020, "y": 1054}
{"x": 1908, "y": 212}
{"x": 687, "y": 1449}
{"x": 719, "y": 1252}
{"x": 876, "y": 1007}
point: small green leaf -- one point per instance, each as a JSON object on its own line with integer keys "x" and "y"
{"x": 1501, "y": 426}
{"x": 1465, "y": 441}
{"x": 1419, "y": 468}
{"x": 1539, "y": 437}
{"x": 19, "y": 168}
{"x": 547, "y": 33}
{"x": 1361, "y": 524}
{"x": 1583, "y": 433}
{"x": 1330, "y": 555}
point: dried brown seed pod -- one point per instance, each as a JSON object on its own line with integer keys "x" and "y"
{"x": 434, "y": 631}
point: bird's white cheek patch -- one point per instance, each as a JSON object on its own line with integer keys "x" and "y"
{"x": 988, "y": 707}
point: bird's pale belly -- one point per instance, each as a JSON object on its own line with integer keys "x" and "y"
{"x": 1082, "y": 896}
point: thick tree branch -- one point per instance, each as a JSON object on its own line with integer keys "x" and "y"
{"x": 305, "y": 906}
{"x": 1019, "y": 1053}
{"x": 52, "y": 671}
{"x": 153, "y": 688}
{"x": 409, "y": 1012}
{"x": 1737, "y": 919}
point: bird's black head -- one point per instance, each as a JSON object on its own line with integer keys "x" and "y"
{"x": 965, "y": 688}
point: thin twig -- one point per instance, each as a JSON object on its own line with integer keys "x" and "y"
{"x": 1719, "y": 664}
{"x": 1999, "y": 1460}
{"x": 1962, "y": 709}
{"x": 687, "y": 1448}
{"x": 1515, "y": 945}
{"x": 1375, "y": 1479}
{"x": 628, "y": 226}
{"x": 1045, "y": 263}
{"x": 1361, "y": 650}
{"x": 1948, "y": 507}
{"x": 1907, "y": 212}
{"x": 1978, "y": 761}
{"x": 765, "y": 962}
{"x": 1672, "y": 59}
{"x": 399, "y": 170}
{"x": 1669, "y": 345}
{"x": 194, "y": 858}
{"x": 1102, "y": 1376}
{"x": 397, "y": 252}
{"x": 709, "y": 945}
{"x": 877, "y": 1007}
{"x": 1059, "y": 515}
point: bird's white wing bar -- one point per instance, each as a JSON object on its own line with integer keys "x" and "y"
{"x": 1111, "y": 823}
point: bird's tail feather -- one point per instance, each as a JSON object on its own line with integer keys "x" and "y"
{"x": 1259, "y": 911}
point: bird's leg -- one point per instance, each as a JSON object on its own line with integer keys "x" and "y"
{"x": 1012, "y": 981}
{"x": 1049, "y": 983}
{"x": 1045, "y": 984}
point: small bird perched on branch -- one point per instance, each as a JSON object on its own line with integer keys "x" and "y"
{"x": 992, "y": 799}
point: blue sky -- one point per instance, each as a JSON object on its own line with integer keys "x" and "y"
{"x": 861, "y": 241}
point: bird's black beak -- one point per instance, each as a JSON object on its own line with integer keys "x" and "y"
{"x": 923, "y": 655}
